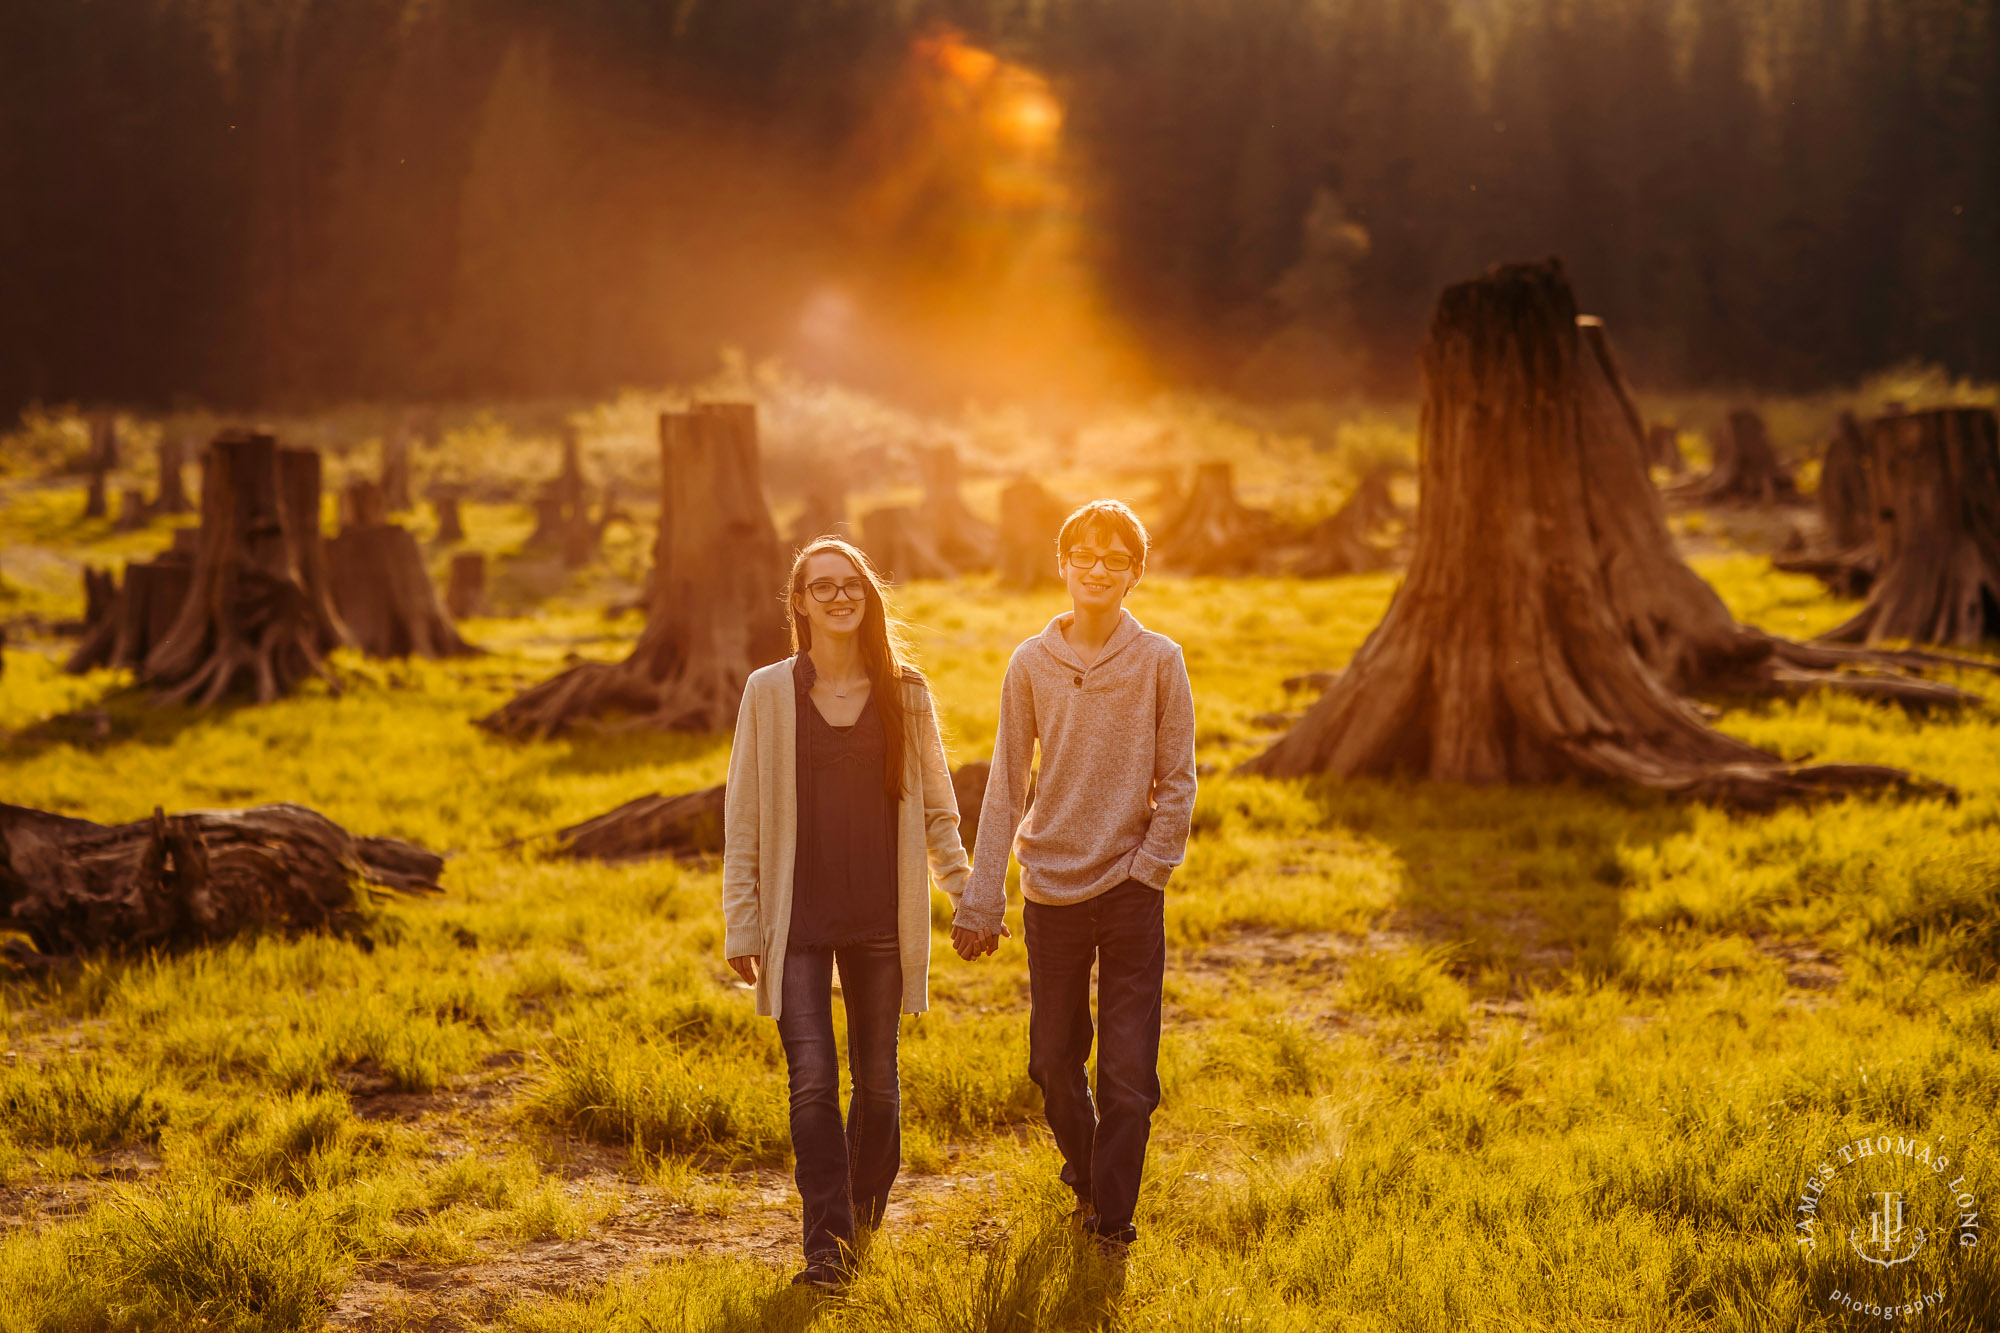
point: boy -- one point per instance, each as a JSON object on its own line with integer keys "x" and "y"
{"x": 1110, "y": 705}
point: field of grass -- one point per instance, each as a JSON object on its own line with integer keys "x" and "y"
{"x": 1434, "y": 1057}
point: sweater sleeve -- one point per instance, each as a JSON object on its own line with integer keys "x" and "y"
{"x": 1166, "y": 837}
{"x": 985, "y": 904}
{"x": 743, "y": 931}
{"x": 943, "y": 848}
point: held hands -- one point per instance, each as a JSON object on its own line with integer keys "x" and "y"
{"x": 745, "y": 966}
{"x": 972, "y": 944}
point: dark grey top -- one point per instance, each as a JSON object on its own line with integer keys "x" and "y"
{"x": 844, "y": 873}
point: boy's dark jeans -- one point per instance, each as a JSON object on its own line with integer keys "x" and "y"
{"x": 843, "y": 1176}
{"x": 1103, "y": 1146}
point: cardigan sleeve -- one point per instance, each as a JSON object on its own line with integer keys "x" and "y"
{"x": 943, "y": 847}
{"x": 743, "y": 929}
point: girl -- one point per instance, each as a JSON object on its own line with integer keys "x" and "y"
{"x": 839, "y": 813}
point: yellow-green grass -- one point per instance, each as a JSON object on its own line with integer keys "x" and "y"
{"x": 1434, "y": 1057}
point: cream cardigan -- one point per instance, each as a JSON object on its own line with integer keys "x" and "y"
{"x": 761, "y": 831}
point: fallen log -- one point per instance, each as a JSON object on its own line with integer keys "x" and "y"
{"x": 72, "y": 886}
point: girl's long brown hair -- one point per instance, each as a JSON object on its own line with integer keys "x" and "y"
{"x": 884, "y": 651}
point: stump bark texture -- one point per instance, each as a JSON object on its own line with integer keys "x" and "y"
{"x": 1935, "y": 478}
{"x": 136, "y": 616}
{"x": 1504, "y": 656}
{"x": 1747, "y": 470}
{"x": 383, "y": 595}
{"x": 965, "y": 541}
{"x": 1349, "y": 540}
{"x": 1030, "y": 518}
{"x": 1214, "y": 532}
{"x": 256, "y": 619}
{"x": 686, "y": 825}
{"x": 898, "y": 541}
{"x": 465, "y": 594}
{"x": 716, "y": 612}
{"x": 73, "y": 886}
{"x": 1844, "y": 558}
{"x": 172, "y": 497}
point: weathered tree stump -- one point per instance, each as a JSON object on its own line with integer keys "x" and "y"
{"x": 396, "y": 470}
{"x": 825, "y": 512}
{"x": 445, "y": 501}
{"x": 100, "y": 590}
{"x": 362, "y": 504}
{"x": 172, "y": 497}
{"x": 1503, "y": 657}
{"x": 465, "y": 594}
{"x": 716, "y": 612}
{"x": 1675, "y": 621}
{"x": 1030, "y": 518}
{"x": 1935, "y": 477}
{"x": 1747, "y": 469}
{"x": 966, "y": 541}
{"x": 1214, "y": 532}
{"x": 75, "y": 887}
{"x": 1343, "y": 542}
{"x": 136, "y": 616}
{"x": 94, "y": 502}
{"x": 256, "y": 618}
{"x": 99, "y": 461}
{"x": 132, "y": 514}
{"x": 686, "y": 825}
{"x": 1663, "y": 448}
{"x": 898, "y": 541}
{"x": 968, "y": 788}
{"x": 384, "y": 596}
{"x": 1845, "y": 558}
{"x": 562, "y": 510}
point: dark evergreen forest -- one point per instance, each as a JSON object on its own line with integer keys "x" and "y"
{"x": 265, "y": 201}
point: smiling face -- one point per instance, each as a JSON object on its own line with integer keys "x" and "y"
{"x": 1100, "y": 588}
{"x": 843, "y": 614}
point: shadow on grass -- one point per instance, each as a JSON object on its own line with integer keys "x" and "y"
{"x": 123, "y": 715}
{"x": 1520, "y": 879}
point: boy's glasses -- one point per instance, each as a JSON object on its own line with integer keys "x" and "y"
{"x": 1115, "y": 561}
{"x": 825, "y": 590}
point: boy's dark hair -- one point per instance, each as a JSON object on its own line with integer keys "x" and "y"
{"x": 1114, "y": 517}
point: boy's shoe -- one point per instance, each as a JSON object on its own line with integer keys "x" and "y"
{"x": 825, "y": 1274}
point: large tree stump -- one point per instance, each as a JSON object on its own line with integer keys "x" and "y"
{"x": 384, "y": 596}
{"x": 1845, "y": 558}
{"x": 1214, "y": 532}
{"x": 1504, "y": 656}
{"x": 465, "y": 594}
{"x": 1030, "y": 518}
{"x": 1344, "y": 541}
{"x": 256, "y": 619}
{"x": 172, "y": 497}
{"x": 73, "y": 886}
{"x": 898, "y": 541}
{"x": 1935, "y": 477}
{"x": 966, "y": 541}
{"x": 1747, "y": 469}
{"x": 136, "y": 616}
{"x": 717, "y": 610}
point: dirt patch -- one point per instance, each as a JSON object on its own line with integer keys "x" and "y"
{"x": 761, "y": 1222}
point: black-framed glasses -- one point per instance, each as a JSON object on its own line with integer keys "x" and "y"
{"x": 825, "y": 590}
{"x": 1115, "y": 561}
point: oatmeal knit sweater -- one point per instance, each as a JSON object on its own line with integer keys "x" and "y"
{"x": 1115, "y": 792}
